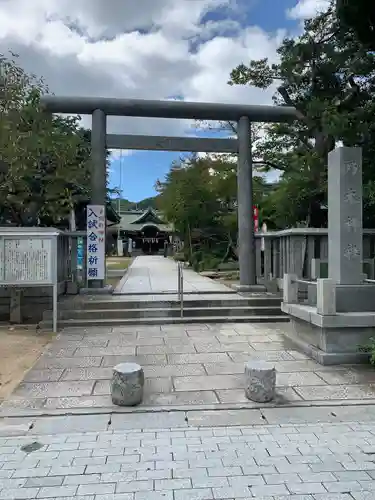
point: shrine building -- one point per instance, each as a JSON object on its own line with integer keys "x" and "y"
{"x": 147, "y": 229}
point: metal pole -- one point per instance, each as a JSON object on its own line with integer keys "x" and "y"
{"x": 54, "y": 308}
{"x": 182, "y": 292}
{"x": 119, "y": 209}
{"x": 178, "y": 279}
{"x": 246, "y": 240}
{"x": 99, "y": 167}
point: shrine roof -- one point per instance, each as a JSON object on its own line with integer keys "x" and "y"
{"x": 135, "y": 220}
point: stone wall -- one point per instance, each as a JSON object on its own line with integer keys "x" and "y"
{"x": 34, "y": 302}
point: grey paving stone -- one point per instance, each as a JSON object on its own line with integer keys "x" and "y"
{"x": 308, "y": 488}
{"x": 79, "y": 402}
{"x": 331, "y": 466}
{"x": 113, "y": 496}
{"x": 60, "y": 470}
{"x": 57, "y": 491}
{"x": 143, "y": 475}
{"x": 172, "y": 484}
{"x": 137, "y": 340}
{"x": 334, "y": 496}
{"x": 39, "y": 482}
{"x": 343, "y": 486}
{"x": 116, "y": 477}
{"x": 300, "y": 415}
{"x": 297, "y": 366}
{"x": 179, "y": 348}
{"x": 182, "y": 359}
{"x": 46, "y": 363}
{"x": 283, "y": 396}
{"x": 219, "y": 347}
{"x": 354, "y": 475}
{"x": 232, "y": 492}
{"x": 299, "y": 379}
{"x": 282, "y": 478}
{"x": 319, "y": 393}
{"x": 52, "y": 375}
{"x": 239, "y": 357}
{"x": 105, "y": 351}
{"x": 174, "y": 370}
{"x": 245, "y": 481}
{"x": 224, "y": 471}
{"x": 66, "y": 424}
{"x": 226, "y": 418}
{"x": 82, "y": 479}
{"x": 154, "y": 495}
{"x": 133, "y": 486}
{"x": 208, "y": 382}
{"x": 100, "y": 468}
{"x": 210, "y": 482}
{"x": 18, "y": 493}
{"x": 17, "y": 403}
{"x": 25, "y": 472}
{"x": 56, "y": 351}
{"x": 224, "y": 368}
{"x": 54, "y": 389}
{"x": 193, "y": 494}
{"x": 87, "y": 374}
{"x": 349, "y": 376}
{"x": 96, "y": 489}
{"x": 361, "y": 495}
{"x": 141, "y": 421}
{"x": 181, "y": 398}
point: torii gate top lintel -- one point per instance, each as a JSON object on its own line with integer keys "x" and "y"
{"x": 168, "y": 109}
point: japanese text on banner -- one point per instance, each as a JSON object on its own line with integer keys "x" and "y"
{"x": 95, "y": 242}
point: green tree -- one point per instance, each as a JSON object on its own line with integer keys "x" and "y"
{"x": 45, "y": 158}
{"x": 200, "y": 198}
{"x": 328, "y": 76}
{"x": 358, "y": 16}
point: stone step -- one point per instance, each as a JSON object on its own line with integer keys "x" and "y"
{"x": 111, "y": 304}
{"x": 86, "y": 323}
{"x": 189, "y": 312}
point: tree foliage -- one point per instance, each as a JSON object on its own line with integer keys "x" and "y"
{"x": 45, "y": 159}
{"x": 358, "y": 16}
{"x": 329, "y": 77}
{"x": 199, "y": 196}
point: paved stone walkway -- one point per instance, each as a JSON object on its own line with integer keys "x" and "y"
{"x": 274, "y": 454}
{"x": 185, "y": 365}
{"x": 155, "y": 274}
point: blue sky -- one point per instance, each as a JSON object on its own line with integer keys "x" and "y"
{"x": 140, "y": 170}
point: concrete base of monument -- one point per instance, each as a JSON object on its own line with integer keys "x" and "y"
{"x": 107, "y": 290}
{"x": 330, "y": 340}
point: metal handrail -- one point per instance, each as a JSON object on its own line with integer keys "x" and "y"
{"x": 180, "y": 285}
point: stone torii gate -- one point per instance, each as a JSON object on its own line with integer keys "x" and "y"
{"x": 100, "y": 108}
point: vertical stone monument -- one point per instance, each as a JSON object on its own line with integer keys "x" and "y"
{"x": 343, "y": 317}
{"x": 345, "y": 234}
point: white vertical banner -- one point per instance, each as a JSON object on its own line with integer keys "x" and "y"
{"x": 95, "y": 242}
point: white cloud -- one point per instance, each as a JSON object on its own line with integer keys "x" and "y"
{"x": 142, "y": 49}
{"x": 306, "y": 9}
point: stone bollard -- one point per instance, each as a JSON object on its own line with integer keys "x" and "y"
{"x": 127, "y": 384}
{"x": 260, "y": 381}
